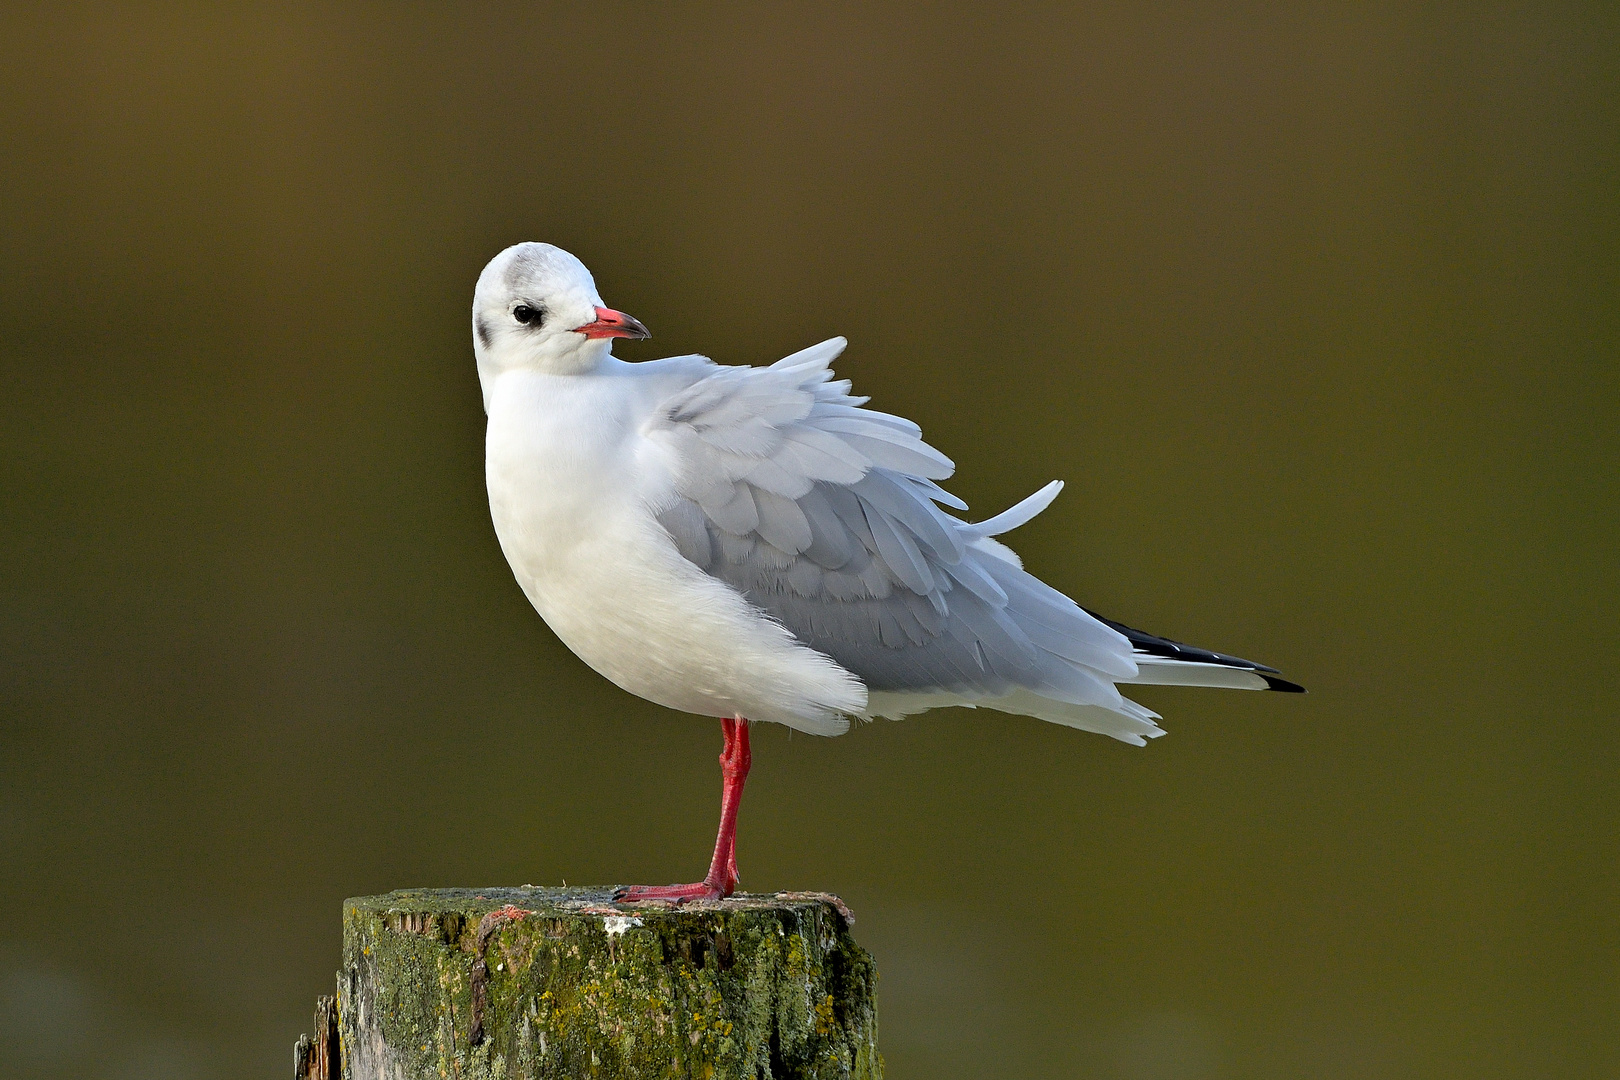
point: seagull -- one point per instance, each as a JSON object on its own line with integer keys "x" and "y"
{"x": 754, "y": 544}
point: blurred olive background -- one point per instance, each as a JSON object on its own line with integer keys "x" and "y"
{"x": 1315, "y": 307}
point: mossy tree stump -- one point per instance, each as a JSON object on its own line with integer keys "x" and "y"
{"x": 530, "y": 983}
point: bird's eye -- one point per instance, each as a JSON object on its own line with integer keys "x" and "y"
{"x": 525, "y": 314}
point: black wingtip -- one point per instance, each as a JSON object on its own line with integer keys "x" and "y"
{"x": 1154, "y": 645}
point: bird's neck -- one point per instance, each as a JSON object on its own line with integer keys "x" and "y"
{"x": 584, "y": 359}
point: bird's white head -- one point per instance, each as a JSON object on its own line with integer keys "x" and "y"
{"x": 537, "y": 307}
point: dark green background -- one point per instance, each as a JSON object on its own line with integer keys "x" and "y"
{"x": 1315, "y": 307}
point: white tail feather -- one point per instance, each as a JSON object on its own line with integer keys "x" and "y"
{"x": 1166, "y": 671}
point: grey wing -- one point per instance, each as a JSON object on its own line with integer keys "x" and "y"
{"x": 828, "y": 517}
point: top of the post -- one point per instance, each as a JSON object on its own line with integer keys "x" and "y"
{"x": 414, "y": 905}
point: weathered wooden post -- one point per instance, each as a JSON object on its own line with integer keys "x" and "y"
{"x": 522, "y": 984}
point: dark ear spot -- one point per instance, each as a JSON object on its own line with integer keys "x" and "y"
{"x": 484, "y": 334}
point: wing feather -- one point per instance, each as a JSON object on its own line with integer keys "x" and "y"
{"x": 966, "y": 573}
{"x": 831, "y": 543}
{"x": 916, "y": 513}
{"x": 781, "y": 522}
{"x": 899, "y": 550}
{"x": 737, "y": 515}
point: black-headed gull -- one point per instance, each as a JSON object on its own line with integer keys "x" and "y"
{"x": 754, "y": 544}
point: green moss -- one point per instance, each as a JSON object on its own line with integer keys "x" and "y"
{"x": 753, "y": 987}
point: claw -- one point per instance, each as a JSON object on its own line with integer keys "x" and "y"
{"x": 680, "y": 894}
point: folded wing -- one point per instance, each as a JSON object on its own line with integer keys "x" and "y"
{"x": 827, "y": 516}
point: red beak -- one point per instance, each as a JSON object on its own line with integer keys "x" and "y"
{"x": 612, "y": 324}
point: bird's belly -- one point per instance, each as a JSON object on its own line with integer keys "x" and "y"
{"x": 631, "y": 621}
{"x": 614, "y": 589}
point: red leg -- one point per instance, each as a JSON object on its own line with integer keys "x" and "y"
{"x": 722, "y": 880}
